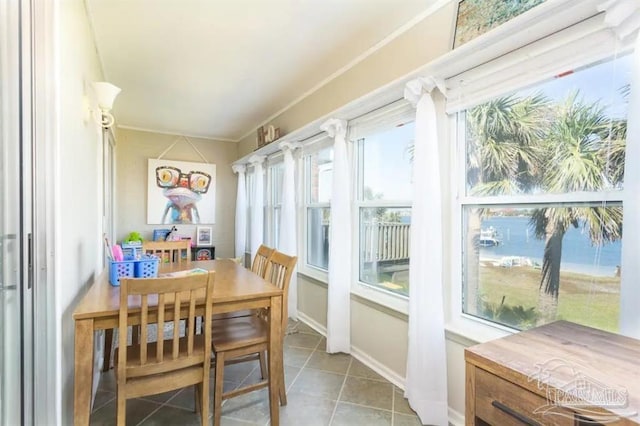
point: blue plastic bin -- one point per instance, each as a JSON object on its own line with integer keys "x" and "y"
{"x": 132, "y": 250}
{"x": 120, "y": 269}
{"x": 146, "y": 267}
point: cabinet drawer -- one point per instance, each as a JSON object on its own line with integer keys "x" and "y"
{"x": 502, "y": 403}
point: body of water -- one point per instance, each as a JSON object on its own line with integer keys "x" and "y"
{"x": 578, "y": 254}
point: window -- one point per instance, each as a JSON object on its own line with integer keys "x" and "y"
{"x": 541, "y": 208}
{"x": 384, "y": 153}
{"x": 318, "y": 180}
{"x": 250, "y": 182}
{"x": 274, "y": 203}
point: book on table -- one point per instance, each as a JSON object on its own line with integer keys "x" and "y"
{"x": 185, "y": 273}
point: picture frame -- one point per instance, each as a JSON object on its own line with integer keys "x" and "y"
{"x": 180, "y": 192}
{"x": 260, "y": 138}
{"x": 203, "y": 253}
{"x": 476, "y": 17}
{"x": 203, "y": 235}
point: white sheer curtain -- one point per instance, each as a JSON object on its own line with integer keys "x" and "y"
{"x": 288, "y": 226}
{"x": 241, "y": 210}
{"x": 338, "y": 304}
{"x": 426, "y": 377}
{"x": 257, "y": 204}
{"x": 623, "y": 16}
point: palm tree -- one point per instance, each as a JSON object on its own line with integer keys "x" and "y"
{"x": 580, "y": 144}
{"x": 502, "y": 152}
{"x": 511, "y": 142}
{"x": 504, "y": 137}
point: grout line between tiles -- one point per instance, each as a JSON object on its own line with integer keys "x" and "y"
{"x": 97, "y": 407}
{"x": 150, "y": 414}
{"x": 355, "y": 404}
{"x": 300, "y": 371}
{"x": 344, "y": 382}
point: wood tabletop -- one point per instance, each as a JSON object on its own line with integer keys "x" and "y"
{"x": 558, "y": 354}
{"x": 233, "y": 282}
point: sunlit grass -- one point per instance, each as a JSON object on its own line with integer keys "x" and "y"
{"x": 584, "y": 299}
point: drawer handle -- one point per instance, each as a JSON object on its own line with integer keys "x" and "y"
{"x": 510, "y": 411}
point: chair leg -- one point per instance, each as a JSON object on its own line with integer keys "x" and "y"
{"x": 121, "y": 408}
{"x": 282, "y": 387}
{"x": 108, "y": 347}
{"x": 217, "y": 393}
{"x": 263, "y": 365}
{"x": 204, "y": 403}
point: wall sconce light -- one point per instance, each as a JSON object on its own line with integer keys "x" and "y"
{"x": 105, "y": 95}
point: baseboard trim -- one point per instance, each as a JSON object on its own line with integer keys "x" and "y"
{"x": 312, "y": 323}
{"x": 376, "y": 366}
{"x": 455, "y": 418}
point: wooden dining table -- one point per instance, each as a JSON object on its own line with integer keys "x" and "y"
{"x": 235, "y": 288}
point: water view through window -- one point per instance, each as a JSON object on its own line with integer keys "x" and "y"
{"x": 559, "y": 147}
{"x": 510, "y": 282}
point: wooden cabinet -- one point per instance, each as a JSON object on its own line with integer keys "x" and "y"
{"x": 558, "y": 374}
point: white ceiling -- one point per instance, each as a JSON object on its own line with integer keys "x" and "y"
{"x": 221, "y": 68}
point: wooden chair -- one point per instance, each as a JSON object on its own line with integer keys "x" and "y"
{"x": 261, "y": 260}
{"x": 157, "y": 367}
{"x": 241, "y": 339}
{"x": 259, "y": 266}
{"x": 169, "y": 251}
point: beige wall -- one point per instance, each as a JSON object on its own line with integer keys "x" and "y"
{"x": 375, "y": 329}
{"x": 413, "y": 49}
{"x": 134, "y": 148}
{"x": 312, "y": 301}
{"x": 78, "y": 182}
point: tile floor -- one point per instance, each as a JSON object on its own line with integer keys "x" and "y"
{"x": 322, "y": 389}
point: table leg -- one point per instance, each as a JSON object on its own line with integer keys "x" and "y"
{"x": 275, "y": 358}
{"x": 108, "y": 347}
{"x": 83, "y": 371}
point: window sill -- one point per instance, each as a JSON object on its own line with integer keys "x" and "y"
{"x": 316, "y": 274}
{"x": 394, "y": 302}
{"x": 468, "y": 330}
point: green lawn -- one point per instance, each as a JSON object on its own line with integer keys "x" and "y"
{"x": 585, "y": 299}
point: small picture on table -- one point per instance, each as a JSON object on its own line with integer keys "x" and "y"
{"x": 203, "y": 235}
{"x": 203, "y": 253}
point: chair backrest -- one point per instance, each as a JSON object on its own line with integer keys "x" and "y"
{"x": 279, "y": 270}
{"x": 261, "y": 260}
{"x": 175, "y": 299}
{"x": 169, "y": 251}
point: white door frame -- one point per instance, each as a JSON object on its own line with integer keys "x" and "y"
{"x": 45, "y": 144}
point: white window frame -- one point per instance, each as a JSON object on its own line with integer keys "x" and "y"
{"x": 587, "y": 42}
{"x": 310, "y": 147}
{"x": 377, "y": 120}
{"x": 249, "y": 182}
{"x": 271, "y": 205}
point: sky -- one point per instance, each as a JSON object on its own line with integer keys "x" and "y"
{"x": 387, "y": 157}
{"x": 601, "y": 82}
{"x": 387, "y": 161}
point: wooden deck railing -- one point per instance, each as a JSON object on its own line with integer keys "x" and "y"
{"x": 385, "y": 241}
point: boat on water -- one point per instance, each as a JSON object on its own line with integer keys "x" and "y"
{"x": 489, "y": 237}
